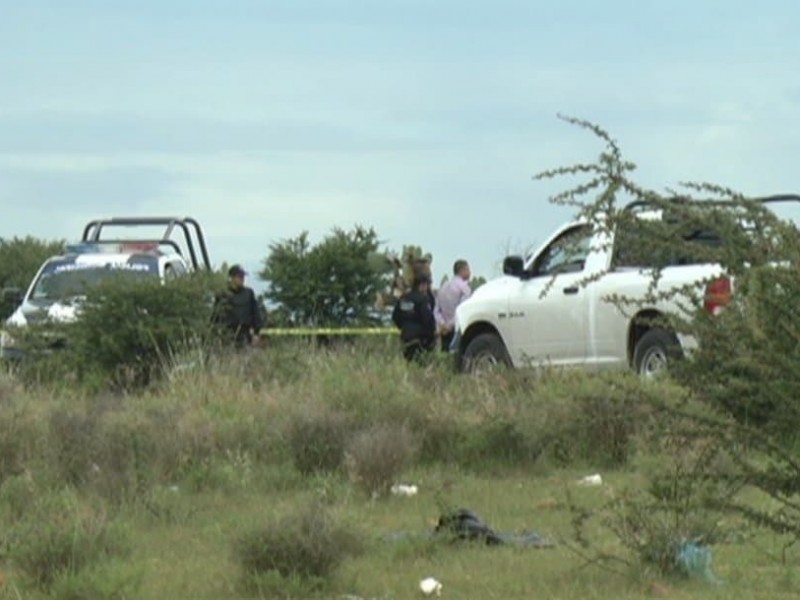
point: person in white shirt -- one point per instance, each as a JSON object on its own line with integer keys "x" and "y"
{"x": 451, "y": 294}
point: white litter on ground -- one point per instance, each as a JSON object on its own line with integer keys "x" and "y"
{"x": 594, "y": 479}
{"x": 401, "y": 489}
{"x": 430, "y": 586}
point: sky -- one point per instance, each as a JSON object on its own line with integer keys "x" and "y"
{"x": 423, "y": 119}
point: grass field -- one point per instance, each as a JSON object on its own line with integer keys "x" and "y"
{"x": 187, "y": 469}
{"x": 192, "y": 560}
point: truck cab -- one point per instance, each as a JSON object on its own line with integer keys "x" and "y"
{"x": 538, "y": 311}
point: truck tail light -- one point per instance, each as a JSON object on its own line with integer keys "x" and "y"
{"x": 718, "y": 295}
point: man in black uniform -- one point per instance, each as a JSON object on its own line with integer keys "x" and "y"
{"x": 237, "y": 311}
{"x": 413, "y": 315}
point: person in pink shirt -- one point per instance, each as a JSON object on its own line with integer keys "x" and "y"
{"x": 451, "y": 294}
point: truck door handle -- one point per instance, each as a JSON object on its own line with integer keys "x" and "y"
{"x": 571, "y": 290}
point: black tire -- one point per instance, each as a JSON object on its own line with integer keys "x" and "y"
{"x": 654, "y": 352}
{"x": 484, "y": 351}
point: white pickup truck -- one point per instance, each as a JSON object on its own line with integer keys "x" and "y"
{"x": 553, "y": 308}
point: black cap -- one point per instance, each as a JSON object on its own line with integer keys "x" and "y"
{"x": 236, "y": 270}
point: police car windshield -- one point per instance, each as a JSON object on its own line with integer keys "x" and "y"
{"x": 66, "y": 278}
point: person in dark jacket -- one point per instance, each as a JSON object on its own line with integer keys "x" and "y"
{"x": 237, "y": 311}
{"x": 413, "y": 315}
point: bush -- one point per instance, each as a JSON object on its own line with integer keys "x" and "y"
{"x": 7, "y": 388}
{"x": 126, "y": 335}
{"x": 126, "y": 458}
{"x": 20, "y": 438}
{"x": 128, "y": 329}
{"x": 62, "y": 536}
{"x": 317, "y": 439}
{"x": 113, "y": 581}
{"x": 18, "y": 494}
{"x": 309, "y": 544}
{"x": 375, "y": 457}
{"x": 747, "y": 356}
{"x": 20, "y": 259}
{"x": 746, "y": 362}
{"x": 610, "y": 413}
{"x": 73, "y": 436}
{"x": 681, "y": 503}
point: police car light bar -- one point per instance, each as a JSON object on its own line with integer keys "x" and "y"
{"x": 113, "y": 248}
{"x": 139, "y": 247}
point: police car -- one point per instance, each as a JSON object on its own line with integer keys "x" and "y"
{"x": 61, "y": 284}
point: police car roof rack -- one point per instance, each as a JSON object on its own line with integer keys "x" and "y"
{"x": 94, "y": 229}
{"x": 79, "y": 247}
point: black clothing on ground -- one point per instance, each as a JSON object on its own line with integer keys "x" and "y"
{"x": 413, "y": 315}
{"x": 466, "y": 525}
{"x": 238, "y": 311}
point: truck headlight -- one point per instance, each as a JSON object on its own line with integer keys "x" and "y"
{"x": 6, "y": 341}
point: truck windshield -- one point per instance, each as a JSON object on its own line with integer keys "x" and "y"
{"x": 65, "y": 278}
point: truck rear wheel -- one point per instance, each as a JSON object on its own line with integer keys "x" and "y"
{"x": 485, "y": 352}
{"x": 654, "y": 351}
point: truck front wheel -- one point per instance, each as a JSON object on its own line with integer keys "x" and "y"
{"x": 485, "y": 352}
{"x": 654, "y": 351}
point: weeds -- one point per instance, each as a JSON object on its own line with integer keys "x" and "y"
{"x": 115, "y": 580}
{"x": 62, "y": 536}
{"x": 74, "y": 438}
{"x": 377, "y": 456}
{"x": 309, "y": 544}
{"x": 318, "y": 439}
{"x": 19, "y": 437}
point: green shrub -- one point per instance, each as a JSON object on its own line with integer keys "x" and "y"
{"x": 115, "y": 580}
{"x": 747, "y": 356}
{"x": 444, "y": 441}
{"x": 61, "y": 536}
{"x": 127, "y": 334}
{"x": 8, "y": 389}
{"x": 309, "y": 544}
{"x": 501, "y": 442}
{"x": 124, "y": 465}
{"x": 18, "y": 494}
{"x": 73, "y": 441}
{"x": 681, "y": 502}
{"x": 376, "y": 456}
{"x": 740, "y": 402}
{"x": 20, "y": 438}
{"x": 168, "y": 506}
{"x": 128, "y": 329}
{"x": 318, "y": 438}
{"x": 610, "y": 411}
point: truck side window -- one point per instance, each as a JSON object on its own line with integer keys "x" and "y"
{"x": 640, "y": 244}
{"x": 175, "y": 269}
{"x": 632, "y": 246}
{"x": 567, "y": 253}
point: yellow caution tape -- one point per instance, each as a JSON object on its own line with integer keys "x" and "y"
{"x": 329, "y": 331}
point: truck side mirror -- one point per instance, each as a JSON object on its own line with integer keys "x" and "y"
{"x": 514, "y": 266}
{"x": 12, "y": 297}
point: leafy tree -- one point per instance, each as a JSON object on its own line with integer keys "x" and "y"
{"x": 333, "y": 283}
{"x": 476, "y": 282}
{"x": 20, "y": 258}
{"x": 736, "y": 428}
